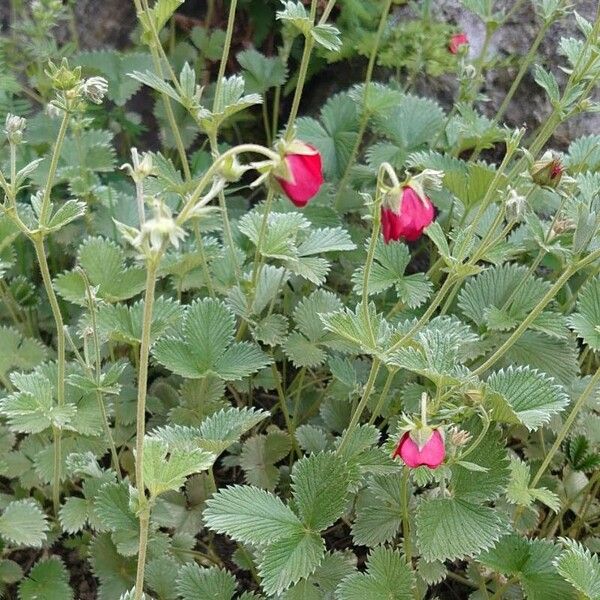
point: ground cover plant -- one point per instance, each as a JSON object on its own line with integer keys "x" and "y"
{"x": 253, "y": 351}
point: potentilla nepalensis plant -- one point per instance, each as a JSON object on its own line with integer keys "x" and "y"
{"x": 250, "y": 349}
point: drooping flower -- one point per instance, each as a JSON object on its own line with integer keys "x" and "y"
{"x": 300, "y": 174}
{"x": 456, "y": 41}
{"x": 405, "y": 215}
{"x": 94, "y": 89}
{"x": 429, "y": 450}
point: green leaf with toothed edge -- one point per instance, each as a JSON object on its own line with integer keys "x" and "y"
{"x": 250, "y": 515}
{"x": 203, "y": 345}
{"x": 449, "y": 528}
{"x": 531, "y": 563}
{"x": 524, "y": 395}
{"x": 194, "y": 582}
{"x": 580, "y": 568}
{"x": 23, "y": 523}
{"x": 290, "y": 559}
{"x": 48, "y": 579}
{"x": 387, "y": 576}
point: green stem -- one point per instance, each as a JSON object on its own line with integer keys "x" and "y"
{"x": 546, "y": 299}
{"x": 97, "y": 374}
{"x": 309, "y": 43}
{"x": 225, "y": 55}
{"x": 383, "y": 397}
{"x": 144, "y": 516}
{"x": 365, "y": 113}
{"x": 141, "y": 564}
{"x": 214, "y": 147}
{"x": 405, "y": 515}
{"x": 361, "y": 405}
{"x": 152, "y": 268}
{"x": 44, "y": 213}
{"x": 40, "y": 251}
{"x": 367, "y": 270}
{"x": 205, "y": 269}
{"x": 564, "y": 430}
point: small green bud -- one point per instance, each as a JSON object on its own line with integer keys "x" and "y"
{"x": 14, "y": 127}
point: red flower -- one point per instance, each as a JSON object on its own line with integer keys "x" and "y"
{"x": 414, "y": 214}
{"x": 431, "y": 454}
{"x": 303, "y": 173}
{"x": 456, "y": 41}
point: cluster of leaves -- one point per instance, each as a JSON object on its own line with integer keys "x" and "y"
{"x": 281, "y": 362}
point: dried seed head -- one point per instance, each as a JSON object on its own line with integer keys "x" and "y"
{"x": 94, "y": 89}
{"x": 14, "y": 127}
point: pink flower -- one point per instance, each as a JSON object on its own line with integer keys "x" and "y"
{"x": 456, "y": 41}
{"x": 412, "y": 216}
{"x": 431, "y": 454}
{"x": 303, "y": 173}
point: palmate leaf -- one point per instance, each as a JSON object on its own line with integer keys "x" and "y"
{"x": 115, "y": 572}
{"x": 304, "y": 347}
{"x": 531, "y": 562}
{"x": 449, "y": 528}
{"x": 586, "y": 321}
{"x": 412, "y": 123}
{"x": 32, "y": 409}
{"x": 290, "y": 559}
{"x": 259, "y": 455}
{"x": 335, "y": 135}
{"x": 104, "y": 263}
{"x": 488, "y": 483}
{"x": 251, "y": 515}
{"x": 203, "y": 345}
{"x": 390, "y": 262}
{"x": 124, "y": 323}
{"x": 524, "y": 395}
{"x": 387, "y": 576}
{"x": 23, "y": 523}
{"x": 495, "y": 287}
{"x": 379, "y": 512}
{"x": 111, "y": 507}
{"x": 320, "y": 484}
{"x": 114, "y": 66}
{"x": 261, "y": 72}
{"x": 435, "y": 355}
{"x": 580, "y": 568}
{"x": 49, "y": 580}
{"x": 519, "y": 492}
{"x": 166, "y": 467}
{"x": 19, "y": 352}
{"x": 195, "y": 582}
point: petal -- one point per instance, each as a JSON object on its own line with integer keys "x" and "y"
{"x": 306, "y": 177}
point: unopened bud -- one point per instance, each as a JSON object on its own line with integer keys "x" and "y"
{"x": 548, "y": 170}
{"x": 14, "y": 127}
{"x": 63, "y": 77}
{"x": 515, "y": 205}
{"x": 140, "y": 167}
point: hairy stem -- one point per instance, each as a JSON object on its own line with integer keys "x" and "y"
{"x": 40, "y": 251}
{"x": 151, "y": 270}
{"x": 365, "y": 113}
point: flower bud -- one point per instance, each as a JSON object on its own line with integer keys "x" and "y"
{"x": 231, "y": 170}
{"x": 64, "y": 78}
{"x": 515, "y": 205}
{"x": 422, "y": 446}
{"x": 405, "y": 214}
{"x": 139, "y": 169}
{"x": 14, "y": 127}
{"x": 457, "y": 42}
{"x": 548, "y": 170}
{"x": 94, "y": 89}
{"x": 300, "y": 172}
